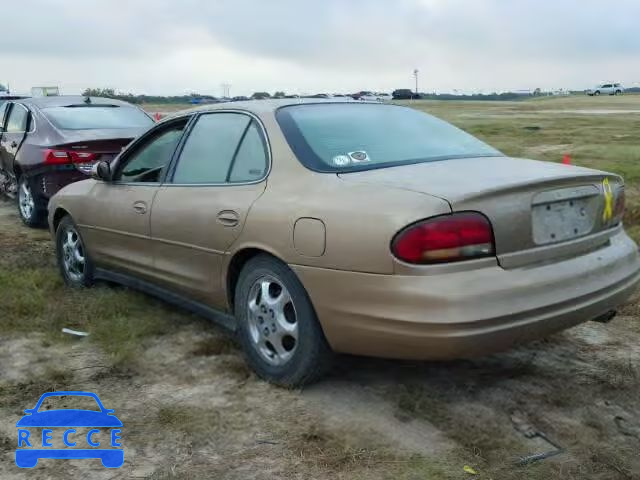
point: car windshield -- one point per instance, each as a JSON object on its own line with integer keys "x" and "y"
{"x": 96, "y": 117}
{"x": 353, "y": 136}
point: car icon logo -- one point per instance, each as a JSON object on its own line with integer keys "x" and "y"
{"x": 66, "y": 425}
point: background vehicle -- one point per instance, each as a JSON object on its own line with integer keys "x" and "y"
{"x": 606, "y": 89}
{"x": 45, "y": 91}
{"x": 362, "y": 93}
{"x": 434, "y": 264}
{"x": 375, "y": 97}
{"x": 404, "y": 94}
{"x": 49, "y": 142}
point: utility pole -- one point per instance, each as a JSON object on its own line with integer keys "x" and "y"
{"x": 226, "y": 89}
{"x": 415, "y": 74}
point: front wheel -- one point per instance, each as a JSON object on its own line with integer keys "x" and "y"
{"x": 277, "y": 325}
{"x": 596, "y": 93}
{"x": 618, "y": 92}
{"x": 74, "y": 262}
{"x": 30, "y": 208}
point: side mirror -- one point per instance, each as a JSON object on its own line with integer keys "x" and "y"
{"x": 101, "y": 171}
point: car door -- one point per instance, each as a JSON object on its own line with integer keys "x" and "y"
{"x": 16, "y": 126}
{"x": 115, "y": 222}
{"x": 200, "y": 210}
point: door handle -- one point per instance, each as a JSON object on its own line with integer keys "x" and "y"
{"x": 228, "y": 218}
{"x": 14, "y": 144}
{"x": 140, "y": 207}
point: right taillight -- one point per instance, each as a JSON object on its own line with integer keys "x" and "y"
{"x": 447, "y": 238}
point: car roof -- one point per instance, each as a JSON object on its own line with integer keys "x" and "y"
{"x": 265, "y": 106}
{"x": 64, "y": 100}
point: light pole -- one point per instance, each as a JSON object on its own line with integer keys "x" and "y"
{"x": 415, "y": 74}
{"x": 226, "y": 89}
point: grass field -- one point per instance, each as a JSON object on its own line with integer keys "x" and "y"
{"x": 191, "y": 409}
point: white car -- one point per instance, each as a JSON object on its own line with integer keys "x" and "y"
{"x": 606, "y": 89}
{"x": 376, "y": 97}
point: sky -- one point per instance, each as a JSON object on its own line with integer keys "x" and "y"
{"x": 318, "y": 46}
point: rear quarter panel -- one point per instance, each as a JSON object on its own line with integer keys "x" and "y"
{"x": 360, "y": 220}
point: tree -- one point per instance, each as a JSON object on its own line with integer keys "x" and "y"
{"x": 537, "y": 92}
{"x": 279, "y": 94}
{"x": 260, "y": 95}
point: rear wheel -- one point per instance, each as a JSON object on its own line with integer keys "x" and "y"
{"x": 596, "y": 93}
{"x": 32, "y": 212}
{"x": 74, "y": 262}
{"x": 618, "y": 92}
{"x": 277, "y": 325}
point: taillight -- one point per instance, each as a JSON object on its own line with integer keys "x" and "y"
{"x": 62, "y": 157}
{"x": 447, "y": 238}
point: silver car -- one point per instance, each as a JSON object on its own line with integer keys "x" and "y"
{"x": 606, "y": 89}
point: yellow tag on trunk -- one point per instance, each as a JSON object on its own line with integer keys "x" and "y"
{"x": 607, "y": 214}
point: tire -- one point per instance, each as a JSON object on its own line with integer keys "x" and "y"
{"x": 293, "y": 351}
{"x": 75, "y": 272}
{"x": 618, "y": 92}
{"x": 596, "y": 93}
{"x": 30, "y": 208}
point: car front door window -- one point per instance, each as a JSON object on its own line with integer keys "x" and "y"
{"x": 149, "y": 161}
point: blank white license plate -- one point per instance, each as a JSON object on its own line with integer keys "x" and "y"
{"x": 559, "y": 221}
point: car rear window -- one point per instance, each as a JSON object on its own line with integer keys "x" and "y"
{"x": 89, "y": 117}
{"x": 353, "y": 136}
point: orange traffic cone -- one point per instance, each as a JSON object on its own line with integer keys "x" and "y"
{"x": 566, "y": 159}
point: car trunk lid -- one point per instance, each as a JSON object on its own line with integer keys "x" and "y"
{"x": 554, "y": 208}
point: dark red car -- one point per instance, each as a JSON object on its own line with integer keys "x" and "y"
{"x": 49, "y": 142}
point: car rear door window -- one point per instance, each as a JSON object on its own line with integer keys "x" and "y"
{"x": 17, "y": 121}
{"x": 208, "y": 152}
{"x": 148, "y": 162}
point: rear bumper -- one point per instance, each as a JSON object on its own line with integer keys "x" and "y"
{"x": 464, "y": 314}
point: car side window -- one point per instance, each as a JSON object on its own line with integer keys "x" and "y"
{"x": 149, "y": 161}
{"x": 209, "y": 150}
{"x": 17, "y": 121}
{"x": 250, "y": 162}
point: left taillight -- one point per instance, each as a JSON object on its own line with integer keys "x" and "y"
{"x": 63, "y": 157}
{"x": 446, "y": 238}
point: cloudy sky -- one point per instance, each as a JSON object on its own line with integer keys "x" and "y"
{"x": 310, "y": 46}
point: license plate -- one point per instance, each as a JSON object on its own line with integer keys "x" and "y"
{"x": 558, "y": 221}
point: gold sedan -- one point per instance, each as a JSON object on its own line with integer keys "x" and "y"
{"x": 313, "y": 227}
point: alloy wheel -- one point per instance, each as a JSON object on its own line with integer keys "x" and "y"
{"x": 73, "y": 255}
{"x": 26, "y": 202}
{"x": 272, "y": 319}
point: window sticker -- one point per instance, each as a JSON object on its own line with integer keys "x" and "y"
{"x": 359, "y": 157}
